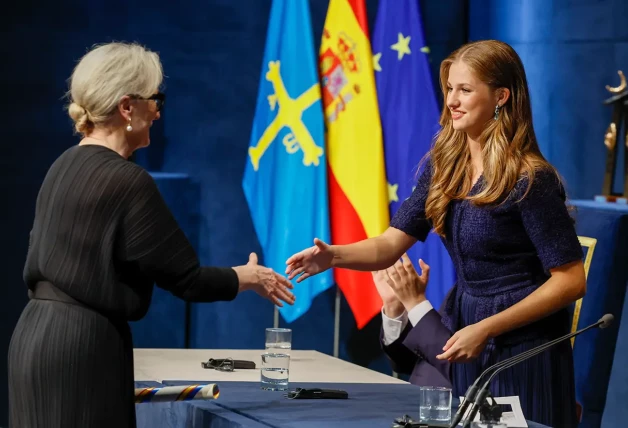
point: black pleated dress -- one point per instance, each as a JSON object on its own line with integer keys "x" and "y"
{"x": 102, "y": 237}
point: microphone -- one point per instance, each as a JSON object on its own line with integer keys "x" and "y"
{"x": 471, "y": 393}
{"x": 478, "y": 396}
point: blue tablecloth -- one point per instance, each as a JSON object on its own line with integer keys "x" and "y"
{"x": 244, "y": 404}
{"x": 600, "y": 391}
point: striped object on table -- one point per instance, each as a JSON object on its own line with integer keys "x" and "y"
{"x": 177, "y": 393}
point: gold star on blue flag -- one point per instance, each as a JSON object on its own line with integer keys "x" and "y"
{"x": 402, "y": 46}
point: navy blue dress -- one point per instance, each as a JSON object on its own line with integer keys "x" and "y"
{"x": 501, "y": 255}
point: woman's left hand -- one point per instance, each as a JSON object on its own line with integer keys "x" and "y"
{"x": 466, "y": 344}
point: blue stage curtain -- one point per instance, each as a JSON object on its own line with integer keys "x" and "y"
{"x": 165, "y": 324}
{"x": 570, "y": 50}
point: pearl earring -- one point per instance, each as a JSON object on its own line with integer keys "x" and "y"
{"x": 129, "y": 128}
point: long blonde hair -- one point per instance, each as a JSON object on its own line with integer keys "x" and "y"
{"x": 509, "y": 146}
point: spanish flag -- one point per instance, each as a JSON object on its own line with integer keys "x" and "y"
{"x": 358, "y": 193}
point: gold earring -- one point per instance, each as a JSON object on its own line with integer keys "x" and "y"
{"x": 129, "y": 128}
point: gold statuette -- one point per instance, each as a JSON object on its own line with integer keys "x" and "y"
{"x": 619, "y": 123}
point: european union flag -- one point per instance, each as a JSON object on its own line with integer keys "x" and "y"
{"x": 285, "y": 181}
{"x": 409, "y": 115}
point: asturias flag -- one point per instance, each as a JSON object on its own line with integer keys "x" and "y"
{"x": 285, "y": 180}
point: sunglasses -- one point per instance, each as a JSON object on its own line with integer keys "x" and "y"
{"x": 159, "y": 98}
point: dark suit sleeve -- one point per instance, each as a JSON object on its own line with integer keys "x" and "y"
{"x": 401, "y": 358}
{"x": 426, "y": 340}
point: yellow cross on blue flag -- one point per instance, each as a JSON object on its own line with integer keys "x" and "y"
{"x": 285, "y": 180}
{"x": 409, "y": 116}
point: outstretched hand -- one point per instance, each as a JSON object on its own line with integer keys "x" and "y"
{"x": 265, "y": 282}
{"x": 310, "y": 261}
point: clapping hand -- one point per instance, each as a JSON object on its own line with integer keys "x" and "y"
{"x": 392, "y": 306}
{"x": 405, "y": 283}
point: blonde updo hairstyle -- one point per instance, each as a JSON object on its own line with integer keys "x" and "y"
{"x": 106, "y": 74}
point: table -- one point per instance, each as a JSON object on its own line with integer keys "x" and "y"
{"x": 305, "y": 366}
{"x": 374, "y": 400}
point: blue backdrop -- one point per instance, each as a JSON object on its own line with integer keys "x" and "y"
{"x": 212, "y": 53}
{"x": 571, "y": 50}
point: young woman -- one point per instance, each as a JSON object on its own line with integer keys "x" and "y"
{"x": 499, "y": 207}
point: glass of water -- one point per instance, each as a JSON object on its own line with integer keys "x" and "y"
{"x": 435, "y": 404}
{"x": 275, "y": 371}
{"x": 279, "y": 339}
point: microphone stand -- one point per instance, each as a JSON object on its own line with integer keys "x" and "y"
{"x": 480, "y": 396}
{"x": 472, "y": 392}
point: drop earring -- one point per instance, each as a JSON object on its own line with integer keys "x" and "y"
{"x": 129, "y": 128}
{"x": 497, "y": 107}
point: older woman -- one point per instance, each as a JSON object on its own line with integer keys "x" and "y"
{"x": 102, "y": 236}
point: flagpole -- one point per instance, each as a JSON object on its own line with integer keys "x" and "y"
{"x": 337, "y": 322}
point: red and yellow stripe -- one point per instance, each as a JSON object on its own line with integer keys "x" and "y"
{"x": 145, "y": 394}
{"x": 357, "y": 179}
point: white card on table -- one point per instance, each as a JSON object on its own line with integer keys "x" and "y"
{"x": 513, "y": 418}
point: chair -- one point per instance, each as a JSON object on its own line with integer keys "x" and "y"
{"x": 589, "y": 244}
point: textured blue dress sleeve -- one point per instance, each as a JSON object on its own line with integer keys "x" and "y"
{"x": 410, "y": 217}
{"x": 547, "y": 221}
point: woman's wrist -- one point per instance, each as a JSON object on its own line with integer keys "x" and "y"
{"x": 245, "y": 277}
{"x": 335, "y": 259}
{"x": 490, "y": 327}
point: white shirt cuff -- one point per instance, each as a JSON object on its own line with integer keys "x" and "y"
{"x": 419, "y": 312}
{"x": 393, "y": 326}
